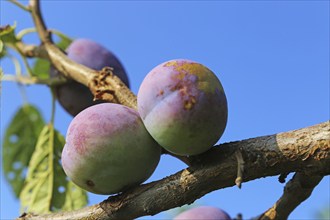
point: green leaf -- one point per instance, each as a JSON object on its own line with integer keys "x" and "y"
{"x": 46, "y": 188}
{"x": 64, "y": 42}
{"x": 19, "y": 143}
{"x": 41, "y": 67}
{"x": 75, "y": 197}
{"x": 67, "y": 196}
{"x": 7, "y": 34}
{"x": 1, "y": 47}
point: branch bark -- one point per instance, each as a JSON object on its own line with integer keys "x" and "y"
{"x": 306, "y": 151}
{"x": 295, "y": 192}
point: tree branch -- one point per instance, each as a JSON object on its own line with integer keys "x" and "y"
{"x": 20, "y": 5}
{"x": 305, "y": 150}
{"x": 26, "y": 80}
{"x": 30, "y": 50}
{"x": 103, "y": 84}
{"x": 297, "y": 190}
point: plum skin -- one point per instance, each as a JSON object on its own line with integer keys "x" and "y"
{"x": 183, "y": 106}
{"x": 73, "y": 96}
{"x": 203, "y": 213}
{"x": 108, "y": 149}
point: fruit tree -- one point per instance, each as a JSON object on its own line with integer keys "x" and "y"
{"x": 120, "y": 130}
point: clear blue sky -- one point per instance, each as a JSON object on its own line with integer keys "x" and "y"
{"x": 272, "y": 58}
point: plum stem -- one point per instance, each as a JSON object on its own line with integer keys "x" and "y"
{"x": 184, "y": 159}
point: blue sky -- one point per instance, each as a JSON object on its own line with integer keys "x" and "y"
{"x": 272, "y": 58}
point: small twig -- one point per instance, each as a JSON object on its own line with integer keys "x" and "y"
{"x": 18, "y": 71}
{"x": 184, "y": 159}
{"x": 297, "y": 190}
{"x": 26, "y": 63}
{"x": 26, "y": 80}
{"x": 17, "y": 66}
{"x": 34, "y": 6}
{"x": 100, "y": 86}
{"x": 24, "y": 32}
{"x": 282, "y": 177}
{"x": 15, "y": 2}
{"x": 30, "y": 50}
{"x": 240, "y": 168}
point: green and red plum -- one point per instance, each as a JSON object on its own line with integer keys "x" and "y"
{"x": 183, "y": 106}
{"x": 203, "y": 213}
{"x": 73, "y": 96}
{"x": 108, "y": 149}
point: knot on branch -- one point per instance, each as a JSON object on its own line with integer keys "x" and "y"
{"x": 101, "y": 87}
{"x": 106, "y": 86}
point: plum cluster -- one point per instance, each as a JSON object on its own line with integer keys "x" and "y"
{"x": 109, "y": 147}
{"x": 203, "y": 213}
{"x": 75, "y": 97}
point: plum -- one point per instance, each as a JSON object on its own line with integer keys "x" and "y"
{"x": 108, "y": 149}
{"x": 73, "y": 96}
{"x": 203, "y": 213}
{"x": 183, "y": 106}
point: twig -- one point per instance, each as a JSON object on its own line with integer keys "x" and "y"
{"x": 184, "y": 159}
{"x": 40, "y": 25}
{"x": 30, "y": 50}
{"x": 22, "y": 33}
{"x": 271, "y": 155}
{"x": 26, "y": 63}
{"x": 20, "y": 5}
{"x": 26, "y": 80}
{"x": 297, "y": 190}
{"x": 282, "y": 177}
{"x": 240, "y": 168}
{"x": 80, "y": 73}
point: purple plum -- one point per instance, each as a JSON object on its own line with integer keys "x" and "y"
{"x": 108, "y": 149}
{"x": 203, "y": 213}
{"x": 183, "y": 106}
{"x": 73, "y": 96}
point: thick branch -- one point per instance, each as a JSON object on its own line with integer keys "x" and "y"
{"x": 304, "y": 150}
{"x": 107, "y": 86}
{"x": 295, "y": 192}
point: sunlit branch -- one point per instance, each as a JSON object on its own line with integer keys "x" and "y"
{"x": 305, "y": 149}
